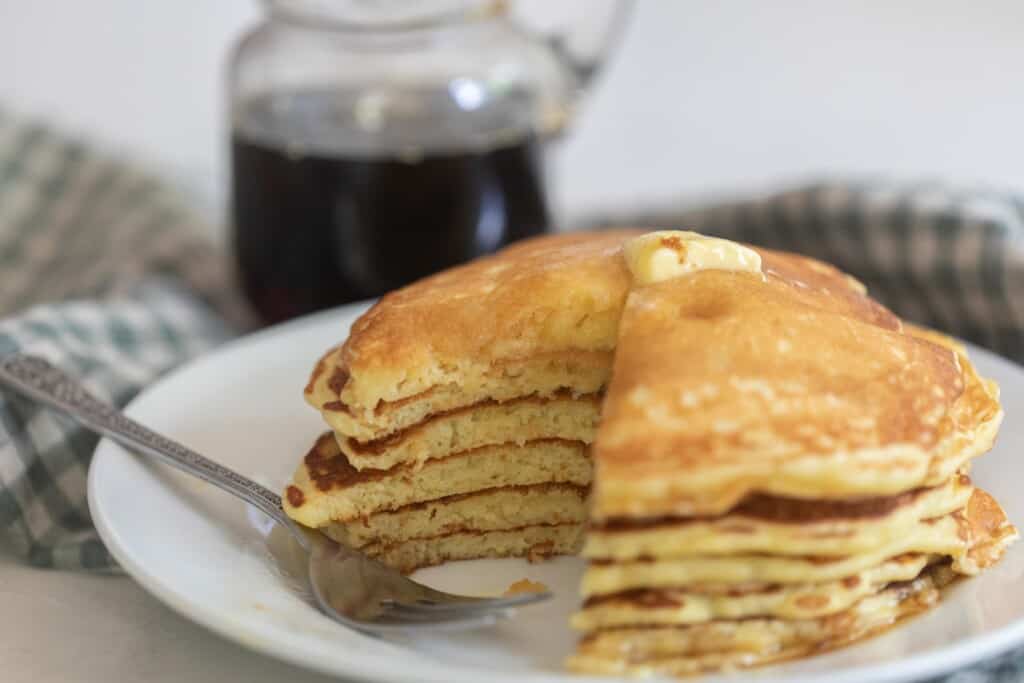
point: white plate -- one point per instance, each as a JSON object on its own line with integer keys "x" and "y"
{"x": 205, "y": 554}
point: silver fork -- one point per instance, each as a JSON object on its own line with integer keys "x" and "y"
{"x": 351, "y": 588}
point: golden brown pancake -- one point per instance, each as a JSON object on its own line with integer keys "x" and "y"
{"x": 536, "y": 542}
{"x": 538, "y": 317}
{"x": 326, "y": 489}
{"x": 794, "y": 384}
{"x": 734, "y": 644}
{"x": 698, "y": 603}
{"x": 778, "y": 462}
{"x": 950, "y": 536}
{"x": 780, "y": 526}
{"x": 496, "y": 509}
{"x": 488, "y": 423}
{"x": 703, "y": 626}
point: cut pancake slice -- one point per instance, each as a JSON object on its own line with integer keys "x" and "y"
{"x": 326, "y": 488}
{"x": 536, "y": 542}
{"x": 536, "y": 318}
{"x": 518, "y": 420}
{"x": 489, "y": 510}
{"x": 492, "y": 501}
{"x": 577, "y": 372}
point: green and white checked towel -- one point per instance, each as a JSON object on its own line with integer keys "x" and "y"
{"x": 102, "y": 272}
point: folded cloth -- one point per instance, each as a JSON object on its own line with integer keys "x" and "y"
{"x": 140, "y": 292}
{"x": 104, "y": 273}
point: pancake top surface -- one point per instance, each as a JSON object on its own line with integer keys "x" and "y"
{"x": 793, "y": 382}
{"x": 540, "y": 296}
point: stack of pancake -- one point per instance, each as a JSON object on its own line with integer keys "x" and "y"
{"x": 779, "y": 463}
{"x": 779, "y": 471}
{"x": 462, "y": 409}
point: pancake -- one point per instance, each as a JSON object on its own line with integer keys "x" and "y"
{"x": 732, "y": 644}
{"x": 545, "y": 375}
{"x": 939, "y": 537}
{"x": 489, "y": 510}
{"x": 327, "y": 489}
{"x": 954, "y": 535}
{"x": 776, "y": 464}
{"x": 519, "y": 420}
{"x": 536, "y": 318}
{"x": 536, "y": 542}
{"x": 690, "y": 605}
{"x": 763, "y": 524}
{"x": 788, "y": 383}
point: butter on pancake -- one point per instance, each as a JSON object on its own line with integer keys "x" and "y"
{"x": 666, "y": 254}
{"x": 758, "y": 460}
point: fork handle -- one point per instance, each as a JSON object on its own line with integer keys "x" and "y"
{"x": 37, "y": 379}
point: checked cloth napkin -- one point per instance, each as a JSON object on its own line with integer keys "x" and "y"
{"x": 104, "y": 273}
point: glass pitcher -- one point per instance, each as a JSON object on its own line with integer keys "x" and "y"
{"x": 377, "y": 141}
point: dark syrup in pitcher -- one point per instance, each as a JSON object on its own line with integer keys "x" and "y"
{"x": 320, "y": 220}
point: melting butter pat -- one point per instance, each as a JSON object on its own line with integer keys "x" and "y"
{"x": 662, "y": 255}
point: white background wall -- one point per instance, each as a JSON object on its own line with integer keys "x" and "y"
{"x": 704, "y": 97}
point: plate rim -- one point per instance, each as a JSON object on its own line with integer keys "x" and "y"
{"x": 943, "y": 660}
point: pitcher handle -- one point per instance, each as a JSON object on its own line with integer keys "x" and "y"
{"x": 583, "y": 33}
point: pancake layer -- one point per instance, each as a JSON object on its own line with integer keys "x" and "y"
{"x": 536, "y": 318}
{"x": 488, "y": 423}
{"x": 545, "y": 376}
{"x": 535, "y": 542}
{"x": 952, "y": 536}
{"x": 328, "y": 489}
{"x": 789, "y": 527}
{"x": 489, "y": 510}
{"x": 735, "y": 644}
{"x": 696, "y": 603}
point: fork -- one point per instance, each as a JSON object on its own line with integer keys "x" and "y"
{"x": 349, "y": 587}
